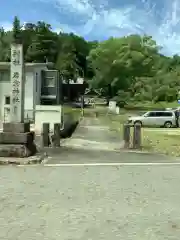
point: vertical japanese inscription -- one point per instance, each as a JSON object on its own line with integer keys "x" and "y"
{"x": 17, "y": 110}
{"x": 15, "y": 88}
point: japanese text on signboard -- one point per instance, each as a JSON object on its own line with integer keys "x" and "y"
{"x": 15, "y": 87}
{"x": 15, "y": 57}
{"x": 15, "y": 77}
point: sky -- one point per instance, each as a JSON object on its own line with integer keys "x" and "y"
{"x": 101, "y": 19}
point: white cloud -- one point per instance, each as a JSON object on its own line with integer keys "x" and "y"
{"x": 100, "y": 22}
{"x": 80, "y": 7}
{"x": 63, "y": 28}
{"x": 6, "y": 25}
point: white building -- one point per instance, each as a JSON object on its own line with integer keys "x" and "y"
{"x": 33, "y": 87}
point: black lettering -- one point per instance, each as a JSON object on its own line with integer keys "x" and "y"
{"x": 16, "y": 75}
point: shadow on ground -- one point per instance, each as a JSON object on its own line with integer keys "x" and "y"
{"x": 72, "y": 155}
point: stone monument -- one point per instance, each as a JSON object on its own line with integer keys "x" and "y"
{"x": 16, "y": 140}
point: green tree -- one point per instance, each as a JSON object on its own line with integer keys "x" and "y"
{"x": 17, "y": 37}
{"x": 133, "y": 68}
{"x": 118, "y": 61}
{"x": 5, "y": 41}
{"x": 44, "y": 44}
{"x": 130, "y": 68}
{"x": 67, "y": 61}
{"x": 28, "y": 35}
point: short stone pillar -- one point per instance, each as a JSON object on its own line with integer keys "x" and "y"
{"x": 45, "y": 135}
{"x": 56, "y": 140}
{"x": 137, "y": 136}
{"x": 126, "y": 135}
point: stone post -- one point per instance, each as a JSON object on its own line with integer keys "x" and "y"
{"x": 45, "y": 135}
{"x": 126, "y": 136}
{"x": 57, "y": 135}
{"x": 137, "y": 136}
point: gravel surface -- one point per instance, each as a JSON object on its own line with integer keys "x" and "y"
{"x": 66, "y": 203}
{"x": 90, "y": 202}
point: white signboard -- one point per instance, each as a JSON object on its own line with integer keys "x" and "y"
{"x": 117, "y": 110}
{"x": 17, "y": 83}
{"x": 112, "y": 106}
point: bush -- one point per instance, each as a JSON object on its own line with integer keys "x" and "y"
{"x": 121, "y": 104}
{"x": 69, "y": 128}
{"x": 70, "y": 124}
{"x": 143, "y": 108}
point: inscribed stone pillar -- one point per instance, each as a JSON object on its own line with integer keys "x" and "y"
{"x": 17, "y": 83}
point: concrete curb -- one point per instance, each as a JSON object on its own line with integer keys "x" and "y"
{"x": 136, "y": 151}
{"x": 38, "y": 159}
{"x": 144, "y": 152}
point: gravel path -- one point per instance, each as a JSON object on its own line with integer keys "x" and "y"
{"x": 91, "y": 134}
{"x": 92, "y": 142}
{"x": 66, "y": 203}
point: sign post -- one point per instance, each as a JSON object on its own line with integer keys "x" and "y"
{"x": 17, "y": 83}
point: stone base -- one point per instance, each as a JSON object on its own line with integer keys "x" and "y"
{"x": 15, "y": 150}
{"x": 17, "y": 141}
{"x": 16, "y": 127}
{"x": 16, "y": 138}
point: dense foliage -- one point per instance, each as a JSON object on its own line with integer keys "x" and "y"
{"x": 130, "y": 68}
{"x": 135, "y": 69}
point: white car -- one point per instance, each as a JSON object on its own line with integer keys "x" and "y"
{"x": 155, "y": 118}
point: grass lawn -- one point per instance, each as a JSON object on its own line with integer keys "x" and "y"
{"x": 75, "y": 113}
{"x": 160, "y": 140}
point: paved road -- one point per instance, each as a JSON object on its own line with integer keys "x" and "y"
{"x": 65, "y": 203}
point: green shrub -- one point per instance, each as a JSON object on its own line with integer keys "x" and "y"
{"x": 150, "y": 106}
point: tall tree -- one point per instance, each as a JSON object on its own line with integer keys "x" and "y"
{"x": 5, "y": 41}
{"x": 132, "y": 66}
{"x": 44, "y": 44}
{"x": 28, "y": 34}
{"x": 17, "y": 37}
{"x": 67, "y": 60}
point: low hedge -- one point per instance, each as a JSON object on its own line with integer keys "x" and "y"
{"x": 69, "y": 128}
{"x": 143, "y": 108}
{"x": 150, "y": 106}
